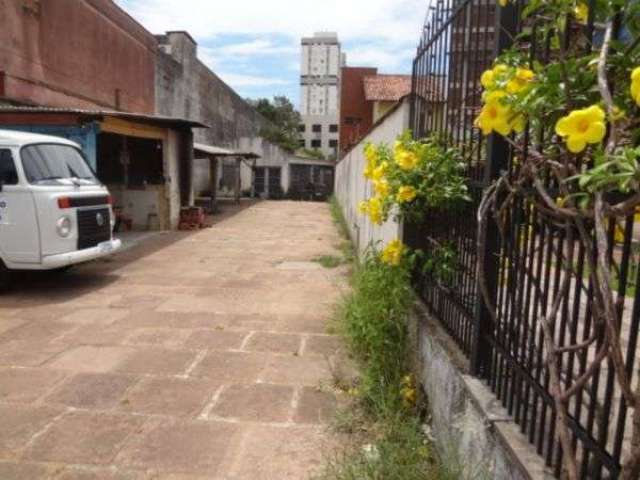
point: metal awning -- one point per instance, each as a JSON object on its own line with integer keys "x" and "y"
{"x": 156, "y": 120}
{"x": 222, "y": 152}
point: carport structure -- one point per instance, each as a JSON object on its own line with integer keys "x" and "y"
{"x": 213, "y": 154}
{"x": 146, "y": 161}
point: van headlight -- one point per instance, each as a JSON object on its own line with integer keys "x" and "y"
{"x": 64, "y": 226}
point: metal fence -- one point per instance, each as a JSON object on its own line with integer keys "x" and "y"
{"x": 526, "y": 267}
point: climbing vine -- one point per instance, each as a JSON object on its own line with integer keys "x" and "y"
{"x": 573, "y": 125}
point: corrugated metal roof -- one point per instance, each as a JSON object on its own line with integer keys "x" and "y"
{"x": 386, "y": 88}
{"x": 140, "y": 117}
{"x": 222, "y": 152}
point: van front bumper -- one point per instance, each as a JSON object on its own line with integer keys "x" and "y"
{"x": 50, "y": 262}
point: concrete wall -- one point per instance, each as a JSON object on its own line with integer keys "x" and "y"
{"x": 351, "y": 187}
{"x": 470, "y": 427}
{"x": 75, "y": 53}
{"x": 187, "y": 88}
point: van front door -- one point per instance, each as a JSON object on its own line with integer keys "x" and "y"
{"x": 19, "y": 231}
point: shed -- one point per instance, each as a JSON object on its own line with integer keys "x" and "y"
{"x": 227, "y": 177}
{"x": 146, "y": 161}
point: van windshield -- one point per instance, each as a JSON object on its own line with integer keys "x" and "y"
{"x": 54, "y": 164}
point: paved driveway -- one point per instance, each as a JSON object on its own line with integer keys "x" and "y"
{"x": 194, "y": 355}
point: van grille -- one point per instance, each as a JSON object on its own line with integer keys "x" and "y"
{"x": 88, "y": 201}
{"x": 90, "y": 232}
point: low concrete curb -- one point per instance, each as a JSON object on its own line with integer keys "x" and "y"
{"x": 468, "y": 423}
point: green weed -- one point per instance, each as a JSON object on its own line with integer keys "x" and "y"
{"x": 329, "y": 261}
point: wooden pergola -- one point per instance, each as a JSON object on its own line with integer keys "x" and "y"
{"x": 213, "y": 153}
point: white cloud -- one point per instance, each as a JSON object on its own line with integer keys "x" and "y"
{"x": 378, "y": 33}
{"x": 240, "y": 80}
{"x": 255, "y": 47}
{"x": 397, "y": 21}
{"x": 387, "y": 59}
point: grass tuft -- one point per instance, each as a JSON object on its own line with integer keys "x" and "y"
{"x": 329, "y": 261}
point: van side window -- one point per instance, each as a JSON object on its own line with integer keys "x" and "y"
{"x": 8, "y": 172}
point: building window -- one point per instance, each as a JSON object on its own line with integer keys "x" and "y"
{"x": 302, "y": 128}
{"x": 316, "y": 144}
{"x": 351, "y": 120}
{"x": 302, "y": 143}
{"x": 317, "y": 128}
{"x": 333, "y": 128}
{"x": 333, "y": 143}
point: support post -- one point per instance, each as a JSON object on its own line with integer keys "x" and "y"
{"x": 213, "y": 182}
{"x": 238, "y": 179}
{"x": 497, "y": 161}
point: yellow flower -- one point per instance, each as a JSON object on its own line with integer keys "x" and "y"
{"x": 520, "y": 81}
{"x": 381, "y": 187}
{"x": 408, "y": 391}
{"x": 581, "y": 12}
{"x": 397, "y": 147}
{"x": 409, "y": 396}
{"x": 374, "y": 209}
{"x": 503, "y": 3}
{"x": 392, "y": 254}
{"x": 363, "y": 207}
{"x": 581, "y": 127}
{"x": 488, "y": 78}
{"x": 406, "y": 194}
{"x": 367, "y": 172}
{"x": 494, "y": 116}
{"x": 635, "y": 85}
{"x": 406, "y": 160}
{"x": 371, "y": 153}
{"x": 380, "y": 171}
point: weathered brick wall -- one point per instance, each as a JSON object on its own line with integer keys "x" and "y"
{"x": 76, "y": 53}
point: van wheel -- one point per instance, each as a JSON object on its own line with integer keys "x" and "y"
{"x": 4, "y": 277}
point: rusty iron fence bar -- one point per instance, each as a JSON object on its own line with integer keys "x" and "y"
{"x": 526, "y": 267}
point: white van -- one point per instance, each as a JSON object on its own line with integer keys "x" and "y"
{"x": 54, "y": 212}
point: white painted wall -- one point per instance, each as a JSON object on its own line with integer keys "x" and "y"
{"x": 351, "y": 187}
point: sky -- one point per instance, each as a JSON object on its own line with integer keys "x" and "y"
{"x": 254, "y": 45}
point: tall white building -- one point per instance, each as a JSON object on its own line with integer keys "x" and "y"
{"x": 322, "y": 62}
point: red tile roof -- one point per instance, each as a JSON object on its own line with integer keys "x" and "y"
{"x": 386, "y": 88}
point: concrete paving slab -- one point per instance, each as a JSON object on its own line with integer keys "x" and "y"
{"x": 315, "y": 406}
{"x": 87, "y": 358}
{"x": 91, "y": 390}
{"x": 269, "y": 453}
{"x": 181, "y": 447}
{"x": 25, "y": 385}
{"x": 258, "y": 402}
{"x": 231, "y": 367}
{"x": 83, "y": 437}
{"x": 283, "y": 343}
{"x": 157, "y": 361}
{"x": 168, "y": 396}
{"x": 20, "y": 423}
{"x": 220, "y": 339}
{"x": 175, "y": 359}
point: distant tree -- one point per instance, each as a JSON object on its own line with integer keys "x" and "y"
{"x": 284, "y": 121}
{"x": 313, "y": 153}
